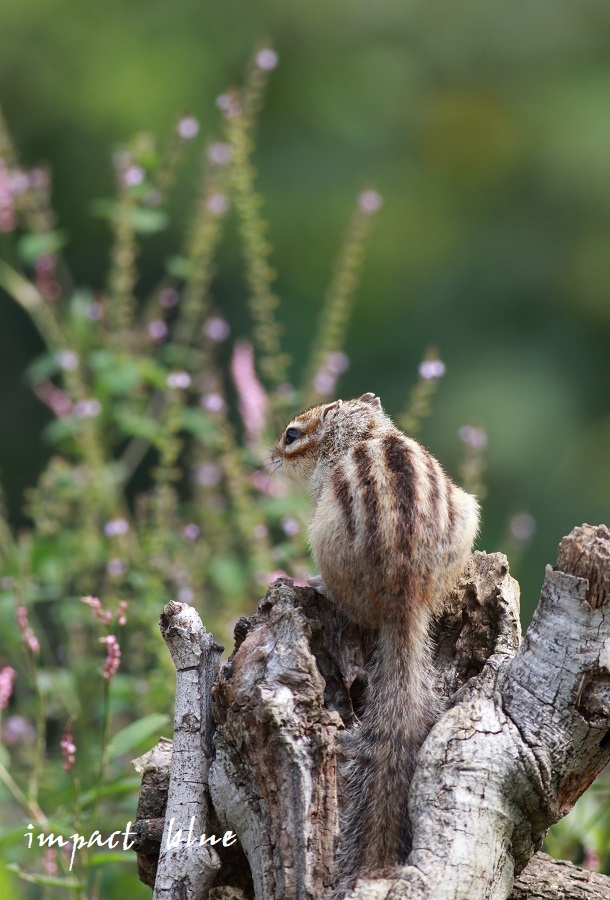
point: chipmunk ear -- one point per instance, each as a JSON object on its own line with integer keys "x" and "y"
{"x": 332, "y": 408}
{"x": 372, "y": 399}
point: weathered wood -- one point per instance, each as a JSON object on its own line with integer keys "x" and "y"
{"x": 523, "y": 734}
{"x": 273, "y": 781}
{"x": 186, "y": 870}
{"x": 154, "y": 767}
{"x": 545, "y": 878}
{"x": 518, "y": 747}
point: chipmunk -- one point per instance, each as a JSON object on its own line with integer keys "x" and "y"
{"x": 390, "y": 535}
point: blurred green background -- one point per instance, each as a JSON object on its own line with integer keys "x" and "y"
{"x": 486, "y": 129}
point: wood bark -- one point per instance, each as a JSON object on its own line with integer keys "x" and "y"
{"x": 525, "y": 731}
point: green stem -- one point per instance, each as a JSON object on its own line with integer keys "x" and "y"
{"x": 338, "y": 303}
{"x": 39, "y": 751}
{"x": 30, "y": 806}
{"x": 28, "y": 297}
{"x": 104, "y": 750}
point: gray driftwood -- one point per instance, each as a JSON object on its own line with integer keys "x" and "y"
{"x": 525, "y": 732}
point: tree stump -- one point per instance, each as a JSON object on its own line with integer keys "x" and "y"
{"x": 524, "y": 732}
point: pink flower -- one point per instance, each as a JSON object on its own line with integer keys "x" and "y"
{"x": 157, "y": 329}
{"x": 591, "y": 860}
{"x": 133, "y": 176}
{"x": 475, "y": 438}
{"x": 326, "y": 378}
{"x": 431, "y": 369}
{"x": 50, "y": 861}
{"x": 121, "y": 612}
{"x": 20, "y": 182}
{"x": 208, "y": 474}
{"x": 68, "y": 748}
{"x": 87, "y": 409}
{"x": 168, "y": 297}
{"x": 27, "y": 635}
{"x": 115, "y": 527}
{"x": 219, "y": 153}
{"x": 17, "y": 730}
{"x": 44, "y": 277}
{"x": 337, "y": 362}
{"x": 266, "y": 485}
{"x": 290, "y": 527}
{"x": 116, "y": 567}
{"x": 54, "y": 398}
{"x": 68, "y": 360}
{"x": 39, "y": 179}
{"x": 7, "y": 680}
{"x": 190, "y": 532}
{"x": 7, "y": 213}
{"x": 229, "y": 104}
{"x": 217, "y": 204}
{"x": 104, "y": 615}
{"x": 252, "y": 401}
{"x": 370, "y": 202}
{"x": 522, "y": 527}
{"x": 188, "y": 128}
{"x": 213, "y": 403}
{"x": 113, "y": 655}
{"x": 324, "y": 383}
{"x": 273, "y": 576}
{"x": 216, "y": 329}
{"x": 178, "y": 380}
{"x": 267, "y": 59}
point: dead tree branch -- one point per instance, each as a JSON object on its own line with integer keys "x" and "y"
{"x": 525, "y": 732}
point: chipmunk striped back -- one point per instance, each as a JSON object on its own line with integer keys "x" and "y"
{"x": 390, "y": 534}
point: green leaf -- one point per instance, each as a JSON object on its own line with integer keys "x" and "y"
{"x": 133, "y": 734}
{"x": 116, "y": 789}
{"x": 102, "y": 208}
{"x": 140, "y": 426}
{"x": 8, "y": 885}
{"x": 118, "y": 856}
{"x": 60, "y": 429}
{"x": 33, "y": 245}
{"x": 119, "y": 375}
{"x": 142, "y": 219}
{"x": 152, "y": 373}
{"x": 178, "y": 266}
{"x": 44, "y": 366}
{"x": 80, "y": 304}
{"x": 148, "y": 221}
{"x": 196, "y": 421}
{"x": 19, "y": 833}
{"x": 83, "y": 327}
{"x": 71, "y": 883}
{"x": 228, "y": 574}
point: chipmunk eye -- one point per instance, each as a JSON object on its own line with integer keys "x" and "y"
{"x": 291, "y": 435}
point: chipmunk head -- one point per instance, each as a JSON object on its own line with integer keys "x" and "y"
{"x": 325, "y": 433}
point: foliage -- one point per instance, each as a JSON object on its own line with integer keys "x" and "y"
{"x": 157, "y": 488}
